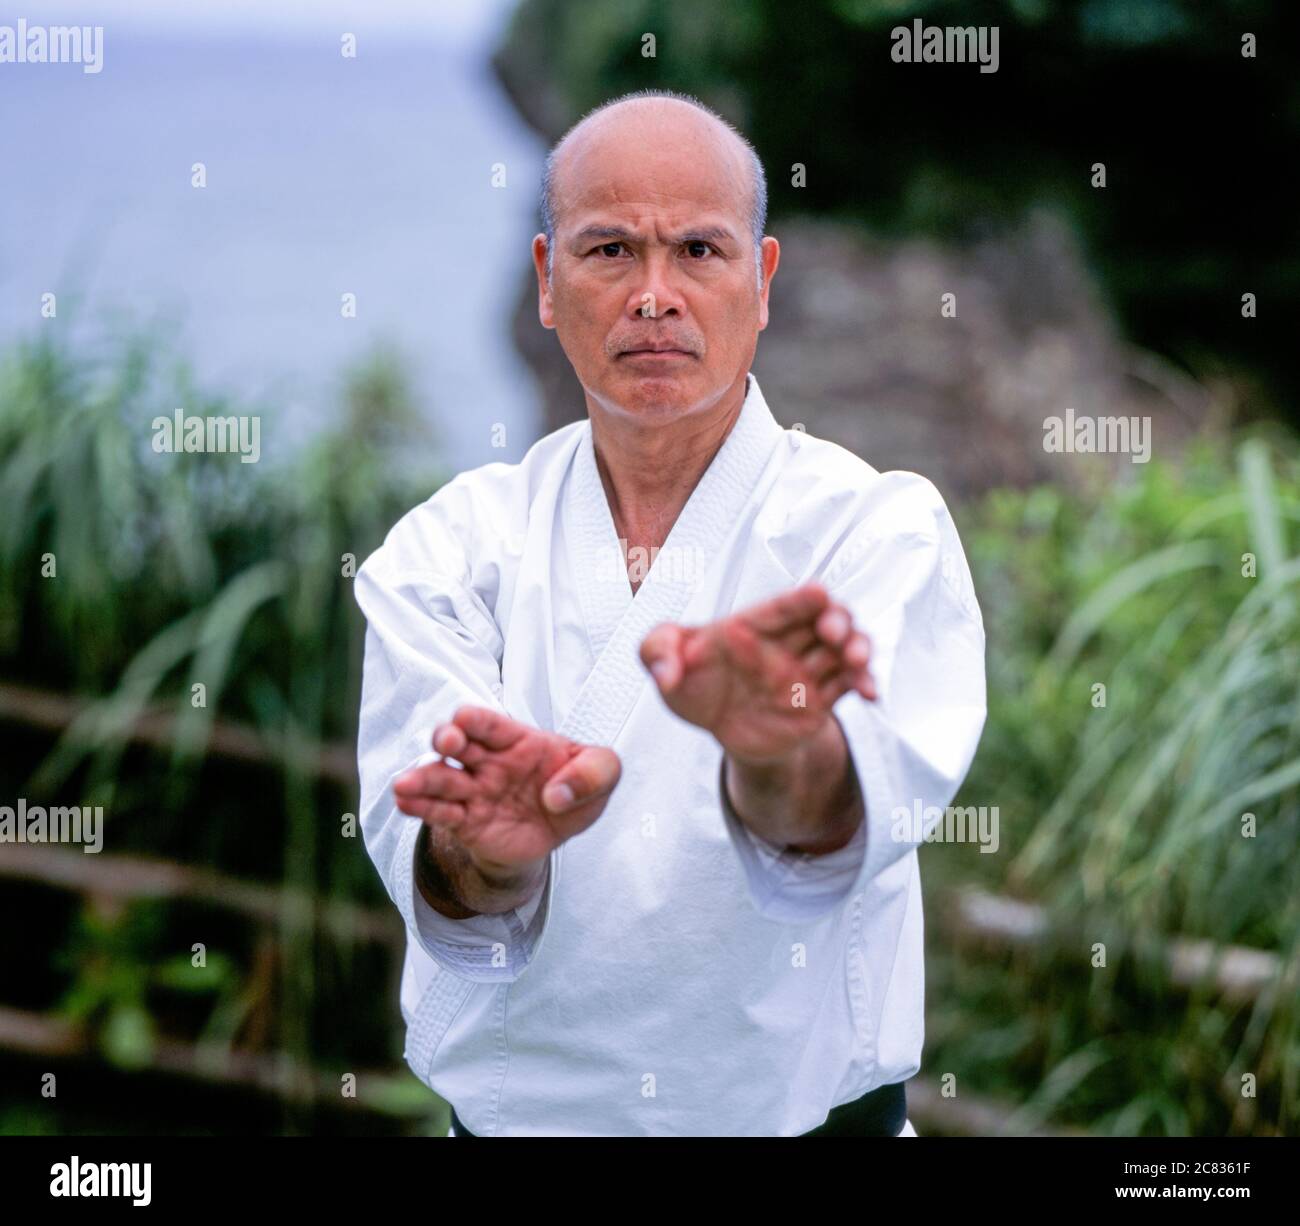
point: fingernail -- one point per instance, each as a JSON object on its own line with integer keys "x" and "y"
{"x": 560, "y": 796}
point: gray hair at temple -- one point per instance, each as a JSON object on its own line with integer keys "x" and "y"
{"x": 757, "y": 199}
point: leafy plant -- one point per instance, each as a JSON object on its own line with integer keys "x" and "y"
{"x": 1163, "y": 808}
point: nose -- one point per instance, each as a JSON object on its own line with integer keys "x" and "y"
{"x": 654, "y": 291}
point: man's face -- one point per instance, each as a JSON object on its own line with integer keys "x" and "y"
{"x": 653, "y": 290}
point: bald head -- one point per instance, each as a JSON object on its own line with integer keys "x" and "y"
{"x": 663, "y": 123}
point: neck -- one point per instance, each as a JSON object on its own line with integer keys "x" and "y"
{"x": 649, "y": 469}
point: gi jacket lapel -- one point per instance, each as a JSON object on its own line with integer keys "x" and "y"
{"x": 617, "y": 621}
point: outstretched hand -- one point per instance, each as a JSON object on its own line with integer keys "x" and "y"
{"x": 763, "y": 681}
{"x": 519, "y": 792}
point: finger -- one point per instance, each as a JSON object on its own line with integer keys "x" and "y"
{"x": 836, "y": 686}
{"x": 411, "y": 783}
{"x": 798, "y": 639}
{"x": 700, "y": 646}
{"x": 661, "y": 653}
{"x": 489, "y": 728}
{"x": 834, "y": 625}
{"x": 436, "y": 781}
{"x": 847, "y": 679}
{"x": 820, "y": 663}
{"x": 450, "y": 740}
{"x": 741, "y": 644}
{"x": 857, "y": 651}
{"x": 590, "y": 773}
{"x": 444, "y": 814}
{"x": 800, "y": 604}
{"x": 436, "y": 813}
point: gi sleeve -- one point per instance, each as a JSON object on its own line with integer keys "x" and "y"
{"x": 479, "y": 947}
{"x": 431, "y": 646}
{"x": 903, "y": 575}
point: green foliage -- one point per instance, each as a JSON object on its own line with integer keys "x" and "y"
{"x": 117, "y": 958}
{"x": 180, "y": 568}
{"x": 1127, "y": 820}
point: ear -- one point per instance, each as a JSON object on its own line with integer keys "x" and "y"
{"x": 771, "y": 251}
{"x": 544, "y": 305}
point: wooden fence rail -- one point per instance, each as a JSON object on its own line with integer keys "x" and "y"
{"x": 156, "y": 727}
{"x": 125, "y": 878}
{"x": 1235, "y": 974}
{"x": 382, "y": 1092}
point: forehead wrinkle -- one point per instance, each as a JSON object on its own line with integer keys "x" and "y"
{"x": 675, "y": 237}
{"x": 604, "y": 206}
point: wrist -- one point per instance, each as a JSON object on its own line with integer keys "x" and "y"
{"x": 434, "y": 882}
{"x": 507, "y": 879}
{"x": 807, "y": 799}
{"x": 778, "y": 771}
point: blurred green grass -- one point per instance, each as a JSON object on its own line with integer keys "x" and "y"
{"x": 1126, "y": 821}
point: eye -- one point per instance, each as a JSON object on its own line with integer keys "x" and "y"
{"x": 604, "y": 249}
{"x": 700, "y": 243}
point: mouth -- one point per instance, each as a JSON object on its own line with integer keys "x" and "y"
{"x": 655, "y": 354}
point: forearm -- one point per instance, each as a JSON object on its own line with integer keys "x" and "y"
{"x": 810, "y": 800}
{"x": 457, "y": 885}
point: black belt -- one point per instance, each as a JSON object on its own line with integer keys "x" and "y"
{"x": 881, "y": 1112}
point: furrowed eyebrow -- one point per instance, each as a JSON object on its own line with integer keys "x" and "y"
{"x": 710, "y": 234}
{"x": 587, "y": 233}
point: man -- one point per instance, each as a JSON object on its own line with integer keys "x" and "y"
{"x": 677, "y": 668}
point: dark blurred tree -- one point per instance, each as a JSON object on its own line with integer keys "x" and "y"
{"x": 1199, "y": 142}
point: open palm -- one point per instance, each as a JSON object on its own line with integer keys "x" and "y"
{"x": 495, "y": 802}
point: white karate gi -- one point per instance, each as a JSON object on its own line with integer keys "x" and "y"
{"x": 674, "y": 975}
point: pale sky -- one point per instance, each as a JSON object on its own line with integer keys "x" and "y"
{"x": 441, "y": 20}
